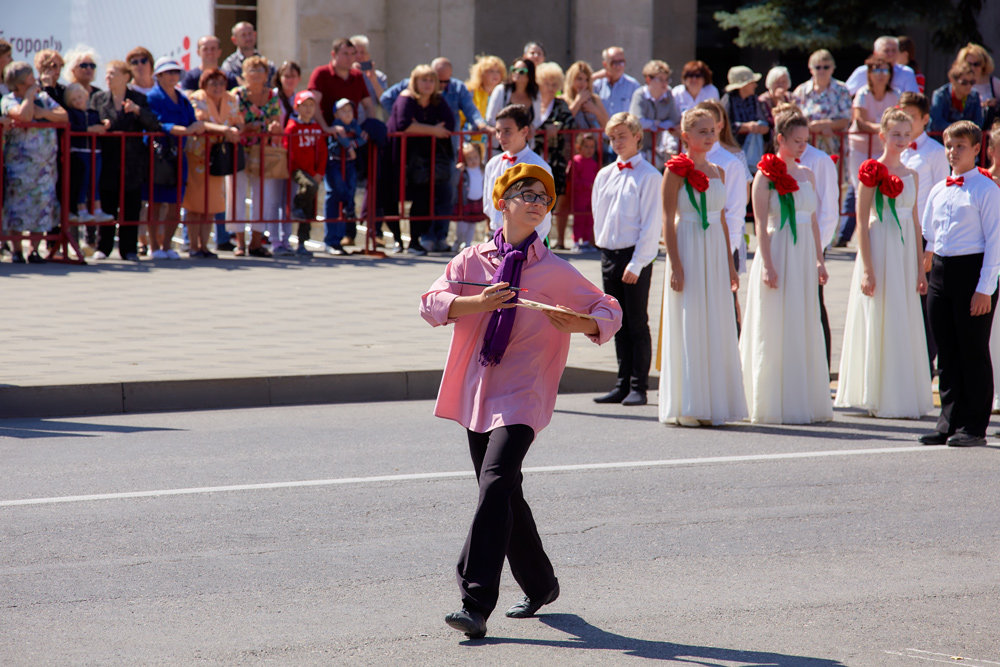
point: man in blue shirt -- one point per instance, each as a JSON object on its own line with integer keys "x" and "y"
{"x": 615, "y": 87}
{"x": 458, "y": 98}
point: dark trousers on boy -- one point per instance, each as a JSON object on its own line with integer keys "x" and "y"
{"x": 633, "y": 346}
{"x": 502, "y": 525}
{"x": 965, "y": 375}
{"x": 304, "y": 202}
{"x": 341, "y": 182}
{"x": 128, "y": 231}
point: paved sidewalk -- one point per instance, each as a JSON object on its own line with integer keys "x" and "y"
{"x": 113, "y": 335}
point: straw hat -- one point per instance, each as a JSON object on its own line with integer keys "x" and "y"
{"x": 740, "y": 76}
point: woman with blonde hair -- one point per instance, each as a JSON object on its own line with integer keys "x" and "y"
{"x": 987, "y": 85}
{"x": 587, "y": 108}
{"x": 485, "y": 74}
{"x": 552, "y": 146}
{"x": 81, "y": 68}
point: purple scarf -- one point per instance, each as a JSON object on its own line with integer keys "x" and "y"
{"x": 502, "y": 321}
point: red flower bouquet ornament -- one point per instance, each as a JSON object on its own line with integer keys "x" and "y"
{"x": 874, "y": 174}
{"x": 776, "y": 171}
{"x": 683, "y": 166}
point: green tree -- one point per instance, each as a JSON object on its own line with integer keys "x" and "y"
{"x": 813, "y": 24}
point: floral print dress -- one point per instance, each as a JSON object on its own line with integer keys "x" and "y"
{"x": 31, "y": 172}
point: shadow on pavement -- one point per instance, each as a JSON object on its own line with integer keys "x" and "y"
{"x": 588, "y": 637}
{"x": 57, "y": 428}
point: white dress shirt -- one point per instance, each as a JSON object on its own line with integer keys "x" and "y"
{"x": 736, "y": 191}
{"x": 827, "y": 192}
{"x": 903, "y": 79}
{"x": 627, "y": 210}
{"x": 931, "y": 164}
{"x": 965, "y": 220}
{"x": 496, "y": 166}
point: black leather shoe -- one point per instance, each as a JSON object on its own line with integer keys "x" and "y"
{"x": 616, "y": 395}
{"x": 934, "y": 438}
{"x": 966, "y": 440}
{"x": 635, "y": 397}
{"x": 472, "y": 623}
{"x": 527, "y": 607}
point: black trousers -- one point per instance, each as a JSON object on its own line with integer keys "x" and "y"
{"x": 502, "y": 525}
{"x": 965, "y": 374}
{"x": 824, "y": 319}
{"x": 931, "y": 345}
{"x": 128, "y": 232}
{"x": 632, "y": 342}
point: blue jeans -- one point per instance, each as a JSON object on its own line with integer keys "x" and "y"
{"x": 340, "y": 189}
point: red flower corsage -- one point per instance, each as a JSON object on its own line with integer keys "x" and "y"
{"x": 872, "y": 172}
{"x": 683, "y": 166}
{"x": 777, "y": 172}
{"x": 891, "y": 186}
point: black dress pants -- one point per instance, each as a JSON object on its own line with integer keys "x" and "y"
{"x": 502, "y": 525}
{"x": 632, "y": 342}
{"x": 965, "y": 374}
{"x": 824, "y": 320}
{"x": 128, "y": 231}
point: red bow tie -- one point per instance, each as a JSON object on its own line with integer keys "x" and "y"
{"x": 913, "y": 145}
{"x": 960, "y": 181}
{"x": 510, "y": 158}
{"x": 624, "y": 165}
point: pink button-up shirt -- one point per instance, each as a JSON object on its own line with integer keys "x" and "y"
{"x": 522, "y": 388}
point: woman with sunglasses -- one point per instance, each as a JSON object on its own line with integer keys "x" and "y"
{"x": 987, "y": 85}
{"x": 81, "y": 68}
{"x": 520, "y": 89}
{"x": 825, "y": 102}
{"x": 140, "y": 62}
{"x": 695, "y": 87}
{"x": 956, "y": 100}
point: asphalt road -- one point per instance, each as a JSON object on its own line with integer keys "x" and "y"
{"x": 335, "y": 543}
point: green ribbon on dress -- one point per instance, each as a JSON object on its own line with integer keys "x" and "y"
{"x": 880, "y": 207}
{"x": 703, "y": 211}
{"x": 787, "y": 202}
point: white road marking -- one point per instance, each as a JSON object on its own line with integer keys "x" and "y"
{"x": 613, "y": 465}
{"x": 951, "y": 659}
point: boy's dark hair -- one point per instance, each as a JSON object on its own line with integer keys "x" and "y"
{"x": 517, "y": 186}
{"x": 517, "y": 113}
{"x": 911, "y": 99}
{"x": 966, "y": 129}
{"x": 338, "y": 44}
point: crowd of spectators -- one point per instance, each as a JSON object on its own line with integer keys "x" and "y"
{"x": 242, "y": 144}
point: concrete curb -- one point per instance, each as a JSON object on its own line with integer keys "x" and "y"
{"x": 253, "y": 392}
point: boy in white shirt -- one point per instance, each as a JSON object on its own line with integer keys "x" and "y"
{"x": 513, "y": 129}
{"x": 627, "y": 225}
{"x": 961, "y": 223}
{"x": 926, "y": 157}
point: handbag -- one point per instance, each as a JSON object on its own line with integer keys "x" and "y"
{"x": 220, "y": 158}
{"x": 165, "y": 161}
{"x": 275, "y": 162}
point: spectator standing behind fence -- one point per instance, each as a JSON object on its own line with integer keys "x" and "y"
{"x": 886, "y": 48}
{"x": 339, "y": 79}
{"x": 261, "y": 114}
{"x": 342, "y": 150}
{"x": 582, "y": 172}
{"x": 654, "y": 105}
{"x": 375, "y": 79}
{"x": 695, "y": 87}
{"x": 908, "y": 57}
{"x": 956, "y": 100}
{"x": 176, "y": 116}
{"x": 209, "y": 50}
{"x": 306, "y": 143}
{"x": 30, "y": 160}
{"x": 522, "y": 89}
{"x": 485, "y": 74}
{"x": 422, "y": 112}
{"x": 825, "y": 102}
{"x": 244, "y": 37}
{"x": 587, "y": 108}
{"x": 534, "y": 52}
{"x": 140, "y": 60}
{"x": 81, "y": 68}
{"x": 747, "y": 115}
{"x": 987, "y": 85}
{"x": 470, "y": 204}
{"x": 83, "y": 119}
{"x": 5, "y": 59}
{"x": 552, "y": 145}
{"x": 49, "y": 65}
{"x": 125, "y": 110}
{"x": 779, "y": 86}
{"x": 612, "y": 84}
{"x": 287, "y": 82}
{"x": 219, "y": 110}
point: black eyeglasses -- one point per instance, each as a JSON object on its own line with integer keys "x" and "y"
{"x": 141, "y": 60}
{"x": 444, "y": 82}
{"x": 618, "y": 62}
{"x": 694, "y": 75}
{"x": 974, "y": 63}
{"x": 86, "y": 65}
{"x": 533, "y": 198}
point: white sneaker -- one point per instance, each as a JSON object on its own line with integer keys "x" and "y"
{"x": 101, "y": 216}
{"x": 160, "y": 254}
{"x": 84, "y": 216}
{"x": 171, "y": 254}
{"x": 100, "y": 255}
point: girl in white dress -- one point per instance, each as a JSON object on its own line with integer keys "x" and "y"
{"x": 993, "y": 151}
{"x": 883, "y": 365}
{"x": 785, "y": 375}
{"x": 700, "y": 380}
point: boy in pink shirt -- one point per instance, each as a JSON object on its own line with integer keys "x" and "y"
{"x": 500, "y": 383}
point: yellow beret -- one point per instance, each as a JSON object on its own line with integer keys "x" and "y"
{"x": 516, "y": 173}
